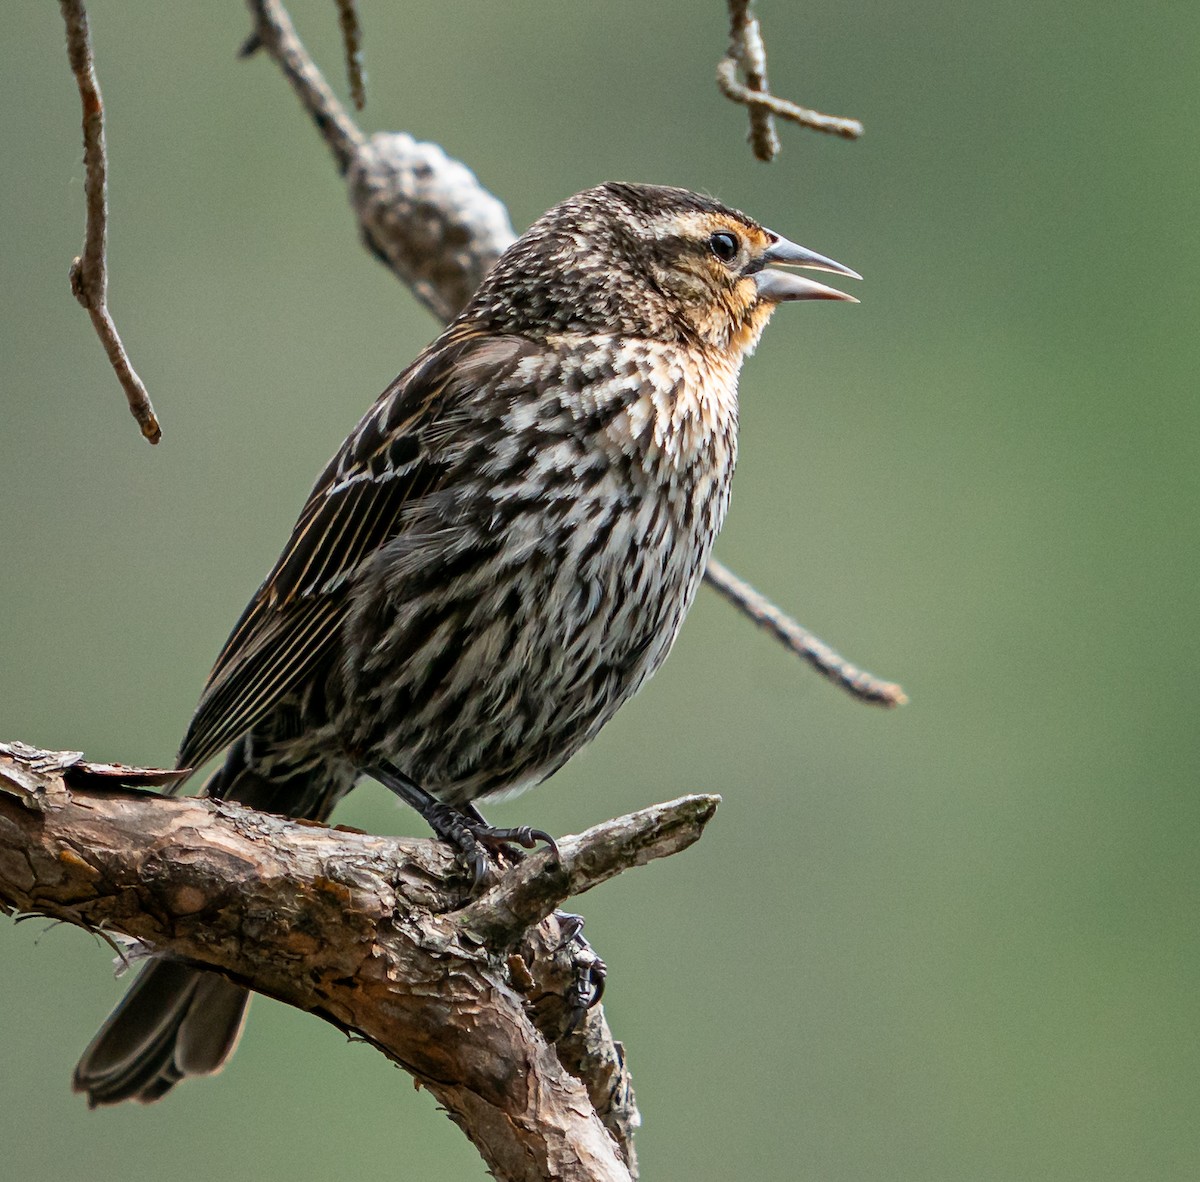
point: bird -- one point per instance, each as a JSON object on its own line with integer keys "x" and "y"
{"x": 497, "y": 557}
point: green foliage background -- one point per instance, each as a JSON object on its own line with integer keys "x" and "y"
{"x": 958, "y": 941}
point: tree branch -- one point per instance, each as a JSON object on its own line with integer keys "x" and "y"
{"x": 375, "y": 935}
{"x": 424, "y": 215}
{"x": 748, "y": 54}
{"x": 866, "y": 687}
{"x": 89, "y": 271}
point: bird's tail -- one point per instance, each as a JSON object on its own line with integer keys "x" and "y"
{"x": 176, "y": 1020}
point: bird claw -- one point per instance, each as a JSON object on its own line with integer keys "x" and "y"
{"x": 462, "y": 826}
{"x": 474, "y": 838}
{"x": 523, "y": 835}
{"x": 571, "y": 925}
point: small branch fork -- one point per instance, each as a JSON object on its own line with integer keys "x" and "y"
{"x": 375, "y": 935}
{"x": 748, "y": 54}
{"x": 89, "y": 272}
{"x": 429, "y": 220}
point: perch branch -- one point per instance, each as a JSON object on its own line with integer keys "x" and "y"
{"x": 748, "y": 54}
{"x": 369, "y": 933}
{"x": 89, "y": 272}
{"x": 529, "y": 893}
{"x": 428, "y": 219}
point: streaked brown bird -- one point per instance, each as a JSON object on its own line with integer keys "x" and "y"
{"x": 496, "y": 559}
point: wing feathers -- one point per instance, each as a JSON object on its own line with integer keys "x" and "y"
{"x": 390, "y": 459}
{"x": 253, "y": 683}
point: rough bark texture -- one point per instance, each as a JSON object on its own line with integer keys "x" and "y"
{"x": 376, "y": 935}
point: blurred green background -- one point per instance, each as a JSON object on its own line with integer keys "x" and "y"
{"x": 957, "y": 941}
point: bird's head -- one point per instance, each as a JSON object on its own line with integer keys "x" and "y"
{"x": 652, "y": 262}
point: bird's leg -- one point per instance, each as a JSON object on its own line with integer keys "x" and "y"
{"x": 447, "y": 823}
{"x": 465, "y": 828}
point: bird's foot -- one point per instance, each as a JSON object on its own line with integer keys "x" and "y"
{"x": 501, "y": 840}
{"x": 464, "y": 828}
{"x": 560, "y": 976}
{"x": 589, "y": 972}
{"x": 472, "y": 836}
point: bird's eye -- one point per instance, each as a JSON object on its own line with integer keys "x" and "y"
{"x": 725, "y": 246}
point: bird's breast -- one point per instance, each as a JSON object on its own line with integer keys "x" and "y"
{"x": 538, "y": 587}
{"x": 670, "y": 409}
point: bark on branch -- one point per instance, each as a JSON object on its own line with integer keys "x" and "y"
{"x": 376, "y": 935}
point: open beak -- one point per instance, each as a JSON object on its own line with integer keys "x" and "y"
{"x": 777, "y": 286}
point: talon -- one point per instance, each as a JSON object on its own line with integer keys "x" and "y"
{"x": 500, "y": 839}
{"x": 599, "y": 976}
{"x": 571, "y": 926}
{"x": 477, "y": 863}
{"x": 537, "y": 835}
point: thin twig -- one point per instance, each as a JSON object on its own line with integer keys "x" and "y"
{"x": 275, "y": 32}
{"x": 428, "y": 219}
{"x": 864, "y": 686}
{"x": 747, "y": 50}
{"x": 355, "y": 67}
{"x": 89, "y": 272}
{"x": 747, "y": 53}
{"x": 530, "y": 892}
{"x": 759, "y": 101}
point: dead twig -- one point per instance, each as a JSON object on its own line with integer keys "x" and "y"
{"x": 89, "y": 272}
{"x": 862, "y": 685}
{"x": 748, "y": 54}
{"x": 352, "y": 37}
{"x": 274, "y": 32}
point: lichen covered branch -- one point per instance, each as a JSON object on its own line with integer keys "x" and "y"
{"x": 424, "y": 215}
